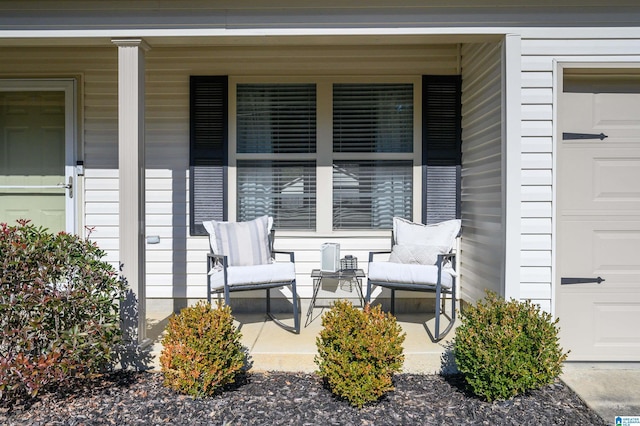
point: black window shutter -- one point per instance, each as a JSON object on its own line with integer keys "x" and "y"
{"x": 208, "y": 150}
{"x": 441, "y": 147}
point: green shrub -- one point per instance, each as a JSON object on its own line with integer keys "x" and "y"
{"x": 358, "y": 352}
{"x": 201, "y": 350}
{"x": 58, "y": 312}
{"x": 507, "y": 348}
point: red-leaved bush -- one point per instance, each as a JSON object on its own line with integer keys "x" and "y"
{"x": 59, "y": 314}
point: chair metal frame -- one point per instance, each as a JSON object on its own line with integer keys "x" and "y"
{"x": 436, "y": 288}
{"x": 214, "y": 259}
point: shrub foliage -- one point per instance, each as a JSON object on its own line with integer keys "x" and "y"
{"x": 358, "y": 352}
{"x": 58, "y": 312}
{"x": 201, "y": 350}
{"x": 505, "y": 348}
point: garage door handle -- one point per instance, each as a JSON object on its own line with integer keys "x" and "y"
{"x": 581, "y": 280}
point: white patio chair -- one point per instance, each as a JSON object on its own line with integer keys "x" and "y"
{"x": 242, "y": 258}
{"x": 422, "y": 259}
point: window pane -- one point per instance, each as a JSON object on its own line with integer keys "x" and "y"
{"x": 276, "y": 118}
{"x": 368, "y": 194}
{"x": 285, "y": 190}
{"x": 373, "y": 118}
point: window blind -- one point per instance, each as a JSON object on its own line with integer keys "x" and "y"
{"x": 285, "y": 190}
{"x": 368, "y": 194}
{"x": 373, "y": 118}
{"x": 276, "y": 118}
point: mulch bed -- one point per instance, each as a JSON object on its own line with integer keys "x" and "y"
{"x": 276, "y": 398}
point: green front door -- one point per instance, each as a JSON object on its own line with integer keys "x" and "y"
{"x": 33, "y": 182}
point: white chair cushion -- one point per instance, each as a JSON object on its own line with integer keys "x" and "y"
{"x": 441, "y": 234}
{"x": 244, "y": 243}
{"x": 409, "y": 274}
{"x": 281, "y": 272}
{"x": 416, "y": 254}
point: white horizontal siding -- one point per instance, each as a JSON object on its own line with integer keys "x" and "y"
{"x": 536, "y": 225}
{"x": 535, "y": 258}
{"x": 535, "y": 291}
{"x": 537, "y": 209}
{"x": 537, "y": 161}
{"x": 538, "y": 95}
{"x": 537, "y": 177}
{"x": 536, "y": 274}
{"x": 537, "y": 144}
{"x": 536, "y": 242}
{"x": 585, "y": 47}
{"x": 536, "y": 193}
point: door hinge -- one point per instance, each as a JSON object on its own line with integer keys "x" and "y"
{"x": 564, "y": 281}
{"x": 573, "y": 136}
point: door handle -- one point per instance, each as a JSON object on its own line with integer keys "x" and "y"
{"x": 564, "y": 281}
{"x": 68, "y": 186}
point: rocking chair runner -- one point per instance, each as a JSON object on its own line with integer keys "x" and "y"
{"x": 242, "y": 258}
{"x": 422, "y": 259}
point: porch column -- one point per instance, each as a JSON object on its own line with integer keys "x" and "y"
{"x": 131, "y": 125}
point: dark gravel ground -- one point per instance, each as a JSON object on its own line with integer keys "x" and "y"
{"x": 127, "y": 398}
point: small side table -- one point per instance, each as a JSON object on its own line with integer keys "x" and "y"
{"x": 351, "y": 276}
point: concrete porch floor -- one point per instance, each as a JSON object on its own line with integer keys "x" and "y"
{"x": 273, "y": 348}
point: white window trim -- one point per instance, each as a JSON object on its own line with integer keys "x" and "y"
{"x": 324, "y": 155}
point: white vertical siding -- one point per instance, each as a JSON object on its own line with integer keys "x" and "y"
{"x": 482, "y": 221}
{"x": 538, "y": 56}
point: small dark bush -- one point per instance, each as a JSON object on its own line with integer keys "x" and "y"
{"x": 201, "y": 350}
{"x": 58, "y": 309}
{"x": 507, "y": 348}
{"x": 359, "y": 351}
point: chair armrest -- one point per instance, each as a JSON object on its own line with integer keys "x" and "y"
{"x": 372, "y": 253}
{"x": 442, "y": 258}
{"x": 213, "y": 258}
{"x": 290, "y": 253}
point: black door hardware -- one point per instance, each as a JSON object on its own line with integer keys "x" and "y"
{"x": 570, "y": 136}
{"x": 581, "y": 280}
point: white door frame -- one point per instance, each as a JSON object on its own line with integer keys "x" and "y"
{"x": 68, "y": 86}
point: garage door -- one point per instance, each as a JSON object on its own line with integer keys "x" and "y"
{"x": 598, "y": 216}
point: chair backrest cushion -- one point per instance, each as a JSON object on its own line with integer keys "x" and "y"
{"x": 244, "y": 243}
{"x": 441, "y": 235}
{"x": 419, "y": 254}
